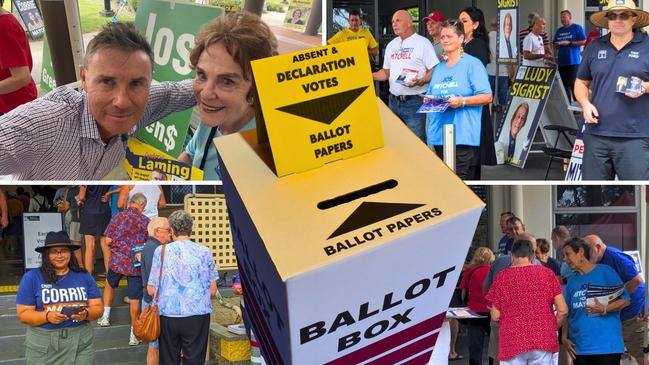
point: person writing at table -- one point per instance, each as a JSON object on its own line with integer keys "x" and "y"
{"x": 56, "y": 302}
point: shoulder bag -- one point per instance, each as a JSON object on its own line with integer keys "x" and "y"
{"x": 147, "y": 325}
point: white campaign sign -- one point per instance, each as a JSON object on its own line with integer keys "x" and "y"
{"x": 35, "y": 228}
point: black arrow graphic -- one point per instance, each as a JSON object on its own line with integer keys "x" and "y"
{"x": 371, "y": 212}
{"x": 324, "y": 109}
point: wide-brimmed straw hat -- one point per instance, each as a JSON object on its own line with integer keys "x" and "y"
{"x": 599, "y": 19}
{"x": 57, "y": 239}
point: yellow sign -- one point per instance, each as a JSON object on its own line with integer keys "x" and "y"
{"x": 144, "y": 162}
{"x": 317, "y": 106}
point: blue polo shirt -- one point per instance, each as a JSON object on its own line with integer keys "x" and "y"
{"x": 619, "y": 115}
{"x": 468, "y": 77}
{"x": 569, "y": 55}
{"x": 624, "y": 266}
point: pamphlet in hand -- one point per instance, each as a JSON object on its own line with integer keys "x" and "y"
{"x": 137, "y": 255}
{"x": 406, "y": 76}
{"x": 433, "y": 105}
{"x": 632, "y": 85}
{"x": 604, "y": 295}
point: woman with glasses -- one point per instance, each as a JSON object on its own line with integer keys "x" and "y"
{"x": 223, "y": 85}
{"x": 57, "y": 301}
{"x": 594, "y": 331}
{"x": 461, "y": 81}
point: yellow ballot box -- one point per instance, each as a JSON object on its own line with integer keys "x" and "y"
{"x": 354, "y": 261}
{"x": 316, "y": 106}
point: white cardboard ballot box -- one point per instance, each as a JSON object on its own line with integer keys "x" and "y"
{"x": 353, "y": 262}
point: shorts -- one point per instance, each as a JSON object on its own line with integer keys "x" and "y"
{"x": 153, "y": 344}
{"x": 75, "y": 236}
{"x": 633, "y": 340}
{"x": 133, "y": 287}
{"x": 94, "y": 224}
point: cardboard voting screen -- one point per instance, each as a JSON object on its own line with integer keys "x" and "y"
{"x": 317, "y": 250}
{"x": 317, "y": 106}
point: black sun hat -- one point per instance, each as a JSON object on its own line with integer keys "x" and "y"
{"x": 57, "y": 239}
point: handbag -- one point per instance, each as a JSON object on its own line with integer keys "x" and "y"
{"x": 147, "y": 325}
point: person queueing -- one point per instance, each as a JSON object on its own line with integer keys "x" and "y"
{"x": 594, "y": 332}
{"x": 528, "y": 302}
{"x": 472, "y": 281}
{"x": 126, "y": 230}
{"x": 56, "y": 302}
{"x": 185, "y": 289}
{"x": 466, "y": 95}
{"x": 159, "y": 234}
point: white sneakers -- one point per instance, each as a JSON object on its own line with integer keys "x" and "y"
{"x": 133, "y": 341}
{"x": 103, "y": 322}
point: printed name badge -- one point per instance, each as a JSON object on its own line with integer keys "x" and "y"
{"x": 317, "y": 106}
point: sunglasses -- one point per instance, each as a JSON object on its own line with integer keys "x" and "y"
{"x": 621, "y": 16}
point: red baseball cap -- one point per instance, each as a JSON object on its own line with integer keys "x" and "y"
{"x": 436, "y": 16}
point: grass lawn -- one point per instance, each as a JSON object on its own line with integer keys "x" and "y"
{"x": 91, "y": 21}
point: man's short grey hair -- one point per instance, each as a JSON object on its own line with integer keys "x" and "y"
{"x": 181, "y": 222}
{"x": 138, "y": 199}
{"x": 535, "y": 19}
{"x": 154, "y": 223}
{"x": 123, "y": 36}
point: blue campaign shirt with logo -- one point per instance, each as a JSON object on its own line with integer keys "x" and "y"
{"x": 74, "y": 288}
{"x": 619, "y": 115}
{"x": 625, "y": 267}
{"x": 569, "y": 55}
{"x": 466, "y": 78}
{"x": 593, "y": 335}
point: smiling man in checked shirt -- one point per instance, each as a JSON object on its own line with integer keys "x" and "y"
{"x": 72, "y": 135}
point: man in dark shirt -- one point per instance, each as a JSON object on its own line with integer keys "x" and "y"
{"x": 616, "y": 136}
{"x": 159, "y": 234}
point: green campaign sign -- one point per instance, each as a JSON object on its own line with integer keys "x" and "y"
{"x": 171, "y": 28}
{"x": 48, "y": 83}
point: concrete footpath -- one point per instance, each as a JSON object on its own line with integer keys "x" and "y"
{"x": 289, "y": 40}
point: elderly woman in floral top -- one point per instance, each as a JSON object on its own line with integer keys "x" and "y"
{"x": 188, "y": 282}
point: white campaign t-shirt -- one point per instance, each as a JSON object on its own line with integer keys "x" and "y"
{"x": 534, "y": 44}
{"x": 414, "y": 53}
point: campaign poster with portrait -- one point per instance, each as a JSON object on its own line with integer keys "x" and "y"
{"x": 507, "y": 32}
{"x": 31, "y": 18}
{"x": 297, "y": 13}
{"x": 516, "y": 130}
